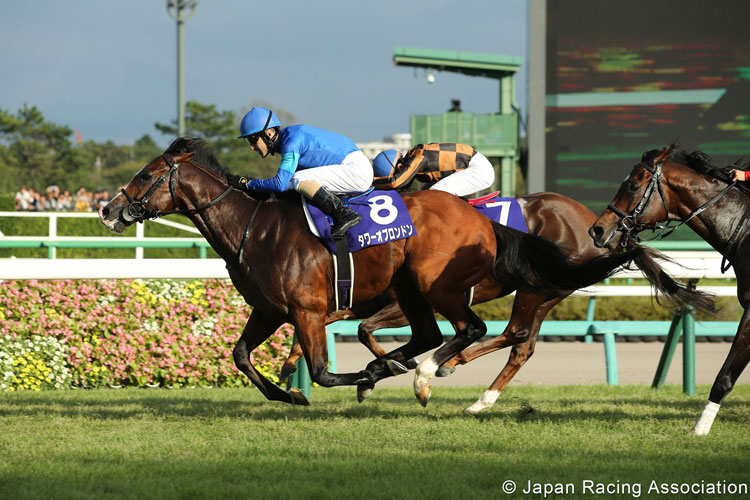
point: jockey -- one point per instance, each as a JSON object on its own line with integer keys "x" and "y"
{"x": 456, "y": 168}
{"x": 314, "y": 162}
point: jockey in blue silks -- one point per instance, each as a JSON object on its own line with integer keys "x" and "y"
{"x": 314, "y": 162}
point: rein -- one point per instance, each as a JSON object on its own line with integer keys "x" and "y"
{"x": 137, "y": 211}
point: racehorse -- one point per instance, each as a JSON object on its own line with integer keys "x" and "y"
{"x": 672, "y": 185}
{"x": 285, "y": 273}
{"x": 548, "y": 215}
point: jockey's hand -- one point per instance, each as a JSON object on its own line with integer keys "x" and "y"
{"x": 237, "y": 181}
{"x": 737, "y": 175}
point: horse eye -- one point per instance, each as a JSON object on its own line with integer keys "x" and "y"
{"x": 145, "y": 176}
{"x": 633, "y": 187}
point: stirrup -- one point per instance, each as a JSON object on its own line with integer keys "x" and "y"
{"x": 340, "y": 231}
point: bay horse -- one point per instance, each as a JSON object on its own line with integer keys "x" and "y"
{"x": 551, "y": 216}
{"x": 669, "y": 186}
{"x": 286, "y": 274}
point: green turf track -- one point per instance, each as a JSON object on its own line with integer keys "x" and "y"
{"x": 231, "y": 443}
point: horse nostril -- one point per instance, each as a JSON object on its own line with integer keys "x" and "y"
{"x": 596, "y": 231}
{"x": 105, "y": 211}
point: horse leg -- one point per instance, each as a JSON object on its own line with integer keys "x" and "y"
{"x": 426, "y": 335}
{"x": 737, "y": 359}
{"x": 518, "y": 356}
{"x": 258, "y": 328}
{"x": 391, "y": 316}
{"x": 527, "y": 308}
{"x": 290, "y": 365}
{"x": 469, "y": 327}
{"x": 311, "y": 334}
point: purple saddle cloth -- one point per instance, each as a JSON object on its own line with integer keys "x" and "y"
{"x": 384, "y": 218}
{"x": 506, "y": 211}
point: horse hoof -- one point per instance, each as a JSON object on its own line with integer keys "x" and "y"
{"x": 472, "y": 410}
{"x": 423, "y": 395}
{"x": 287, "y": 370}
{"x": 298, "y": 399}
{"x": 698, "y": 432}
{"x": 412, "y": 363}
{"x": 445, "y": 371}
{"x": 395, "y": 367}
{"x": 364, "y": 391}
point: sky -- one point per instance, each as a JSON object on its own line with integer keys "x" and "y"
{"x": 108, "y": 68}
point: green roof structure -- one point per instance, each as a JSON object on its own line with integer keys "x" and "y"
{"x": 493, "y": 134}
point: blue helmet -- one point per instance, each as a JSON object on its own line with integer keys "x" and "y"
{"x": 385, "y": 162}
{"x": 257, "y": 120}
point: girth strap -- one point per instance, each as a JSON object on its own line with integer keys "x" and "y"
{"x": 725, "y": 264}
{"x": 344, "y": 271}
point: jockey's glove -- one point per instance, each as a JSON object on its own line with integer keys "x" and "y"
{"x": 237, "y": 181}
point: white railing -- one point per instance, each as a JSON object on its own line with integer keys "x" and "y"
{"x": 17, "y": 269}
{"x": 52, "y": 228}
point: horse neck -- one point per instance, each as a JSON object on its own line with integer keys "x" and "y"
{"x": 222, "y": 224}
{"x": 692, "y": 190}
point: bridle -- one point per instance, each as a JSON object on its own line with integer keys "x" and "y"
{"x": 629, "y": 226}
{"x": 137, "y": 211}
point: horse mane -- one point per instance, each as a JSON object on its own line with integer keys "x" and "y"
{"x": 698, "y": 161}
{"x": 203, "y": 154}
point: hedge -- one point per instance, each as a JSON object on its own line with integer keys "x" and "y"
{"x": 89, "y": 333}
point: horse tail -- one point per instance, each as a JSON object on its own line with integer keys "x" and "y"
{"x": 668, "y": 292}
{"x": 538, "y": 265}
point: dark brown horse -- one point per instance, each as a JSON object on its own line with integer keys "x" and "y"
{"x": 551, "y": 216}
{"x": 286, "y": 274}
{"x": 671, "y": 185}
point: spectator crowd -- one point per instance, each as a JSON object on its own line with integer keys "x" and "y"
{"x": 30, "y": 200}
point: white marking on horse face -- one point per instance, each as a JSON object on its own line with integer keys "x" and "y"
{"x": 488, "y": 399}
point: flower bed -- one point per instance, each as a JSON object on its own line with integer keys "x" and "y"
{"x": 88, "y": 333}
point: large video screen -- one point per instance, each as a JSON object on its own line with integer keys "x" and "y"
{"x": 627, "y": 77}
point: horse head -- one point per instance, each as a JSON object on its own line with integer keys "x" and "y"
{"x": 150, "y": 193}
{"x": 634, "y": 207}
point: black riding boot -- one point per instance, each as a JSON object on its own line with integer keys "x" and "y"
{"x": 343, "y": 217}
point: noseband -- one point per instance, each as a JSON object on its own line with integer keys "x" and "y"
{"x": 629, "y": 223}
{"x": 137, "y": 211}
{"x": 629, "y": 226}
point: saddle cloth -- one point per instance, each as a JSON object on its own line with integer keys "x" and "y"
{"x": 384, "y": 218}
{"x": 506, "y": 211}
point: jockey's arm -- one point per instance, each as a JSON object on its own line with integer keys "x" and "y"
{"x": 280, "y": 181}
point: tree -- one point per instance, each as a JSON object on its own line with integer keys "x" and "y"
{"x": 36, "y": 152}
{"x": 145, "y": 149}
{"x": 220, "y": 129}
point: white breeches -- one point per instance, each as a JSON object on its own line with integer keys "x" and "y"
{"x": 477, "y": 176}
{"x": 354, "y": 175}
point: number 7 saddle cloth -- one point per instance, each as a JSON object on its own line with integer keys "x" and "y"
{"x": 506, "y": 211}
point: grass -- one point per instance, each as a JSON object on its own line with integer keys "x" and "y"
{"x": 231, "y": 443}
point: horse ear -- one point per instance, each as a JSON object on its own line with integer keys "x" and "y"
{"x": 182, "y": 157}
{"x": 664, "y": 155}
